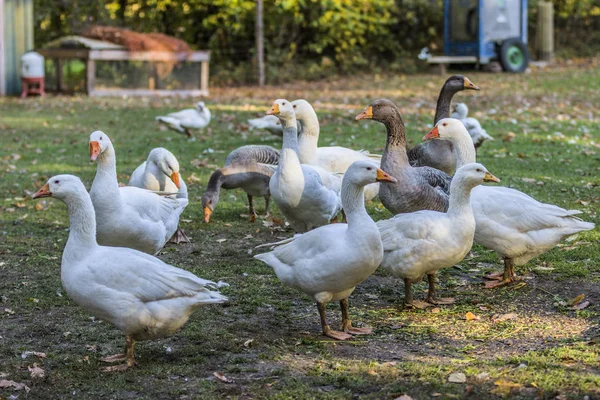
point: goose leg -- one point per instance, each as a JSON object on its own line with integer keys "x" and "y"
{"x": 267, "y": 203}
{"x": 508, "y": 276}
{"x": 431, "y": 293}
{"x": 251, "y": 207}
{"x": 128, "y": 357}
{"x": 188, "y": 132}
{"x": 347, "y": 324}
{"x": 409, "y": 301}
{"x": 327, "y": 331}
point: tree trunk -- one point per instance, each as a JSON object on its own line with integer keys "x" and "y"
{"x": 259, "y": 43}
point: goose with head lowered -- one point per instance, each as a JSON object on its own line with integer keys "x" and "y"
{"x": 160, "y": 173}
{"x": 138, "y": 293}
{"x": 418, "y": 188}
{"x": 185, "y": 120}
{"x": 129, "y": 216}
{"x": 269, "y": 123}
{"x": 249, "y": 168}
{"x": 334, "y": 159}
{"x": 438, "y": 154}
{"x": 423, "y": 242}
{"x": 306, "y": 198}
{"x": 513, "y": 224}
{"x": 328, "y": 262}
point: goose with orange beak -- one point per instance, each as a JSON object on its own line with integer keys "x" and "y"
{"x": 160, "y": 173}
{"x": 306, "y": 198}
{"x": 513, "y": 224}
{"x": 129, "y": 216}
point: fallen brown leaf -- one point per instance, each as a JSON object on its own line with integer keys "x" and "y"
{"x": 505, "y": 388}
{"x": 222, "y": 377}
{"x": 471, "y": 317}
{"x": 14, "y": 385}
{"x": 504, "y": 317}
{"x": 576, "y": 300}
{"x": 36, "y": 372}
{"x": 581, "y": 305}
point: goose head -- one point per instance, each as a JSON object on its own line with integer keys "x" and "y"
{"x": 461, "y": 110}
{"x": 200, "y": 106}
{"x": 99, "y": 142}
{"x": 473, "y": 174}
{"x": 364, "y": 172}
{"x": 449, "y": 129}
{"x": 209, "y": 202}
{"x": 61, "y": 187}
{"x": 380, "y": 110}
{"x": 282, "y": 109}
{"x": 456, "y": 83}
{"x": 303, "y": 109}
{"x": 166, "y": 163}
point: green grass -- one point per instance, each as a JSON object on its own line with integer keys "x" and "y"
{"x": 548, "y": 350}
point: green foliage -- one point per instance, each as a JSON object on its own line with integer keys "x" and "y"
{"x": 304, "y": 39}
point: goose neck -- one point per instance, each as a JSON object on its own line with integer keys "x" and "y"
{"x": 460, "y": 197}
{"x": 308, "y": 140}
{"x": 106, "y": 171}
{"x": 290, "y": 135}
{"x": 82, "y": 220}
{"x": 353, "y": 203}
{"x": 442, "y": 109}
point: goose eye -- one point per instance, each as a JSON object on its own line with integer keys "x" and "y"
{"x": 445, "y": 124}
{"x": 100, "y": 137}
{"x": 369, "y": 168}
{"x": 57, "y": 181}
{"x": 478, "y": 170}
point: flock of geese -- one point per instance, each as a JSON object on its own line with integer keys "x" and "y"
{"x": 434, "y": 190}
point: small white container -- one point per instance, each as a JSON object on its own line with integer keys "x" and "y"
{"x": 32, "y": 65}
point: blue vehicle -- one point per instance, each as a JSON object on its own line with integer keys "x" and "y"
{"x": 480, "y": 31}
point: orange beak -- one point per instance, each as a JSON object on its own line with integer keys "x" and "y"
{"x": 274, "y": 109}
{"x": 490, "y": 178}
{"x": 366, "y": 114}
{"x": 175, "y": 179}
{"x": 433, "y": 134}
{"x": 470, "y": 85}
{"x": 43, "y": 192}
{"x": 207, "y": 212}
{"x": 383, "y": 176}
{"x": 94, "y": 151}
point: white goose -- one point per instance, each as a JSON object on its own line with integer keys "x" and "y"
{"x": 269, "y": 123}
{"x": 477, "y": 133}
{"x": 160, "y": 173}
{"x": 328, "y": 262}
{"x": 185, "y": 120}
{"x": 129, "y": 216}
{"x": 334, "y": 159}
{"x": 138, "y": 293}
{"x": 423, "y": 242}
{"x": 303, "y": 196}
{"x": 513, "y": 224}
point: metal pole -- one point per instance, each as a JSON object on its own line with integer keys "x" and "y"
{"x": 259, "y": 43}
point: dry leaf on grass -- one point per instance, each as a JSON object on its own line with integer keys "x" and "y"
{"x": 14, "y": 385}
{"x": 581, "y": 305}
{"x": 504, "y": 317}
{"x": 505, "y": 388}
{"x": 222, "y": 377}
{"x": 38, "y": 354}
{"x": 36, "y": 372}
{"x": 457, "y": 377}
{"x": 576, "y": 300}
{"x": 404, "y": 397}
{"x": 472, "y": 317}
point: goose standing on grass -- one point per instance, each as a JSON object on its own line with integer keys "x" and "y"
{"x": 139, "y": 294}
{"x": 438, "y": 154}
{"x": 513, "y": 224}
{"x": 160, "y": 173}
{"x": 185, "y": 120}
{"x": 269, "y": 123}
{"x": 418, "y": 188}
{"x": 328, "y": 262}
{"x": 304, "y": 198}
{"x": 129, "y": 216}
{"x": 334, "y": 159}
{"x": 477, "y": 133}
{"x": 249, "y": 168}
{"x": 423, "y": 242}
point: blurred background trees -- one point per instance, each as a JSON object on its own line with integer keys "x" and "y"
{"x": 304, "y": 39}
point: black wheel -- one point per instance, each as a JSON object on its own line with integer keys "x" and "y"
{"x": 514, "y": 56}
